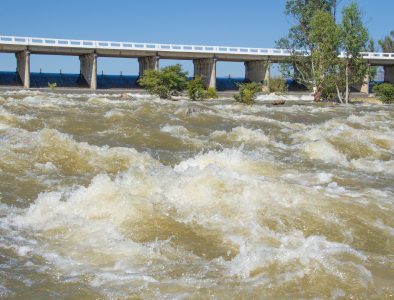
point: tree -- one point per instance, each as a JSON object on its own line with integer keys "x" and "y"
{"x": 167, "y": 82}
{"x": 387, "y": 43}
{"x": 325, "y": 35}
{"x": 196, "y": 88}
{"x": 354, "y": 39}
{"x": 300, "y": 42}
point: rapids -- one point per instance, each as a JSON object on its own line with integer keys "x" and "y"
{"x": 103, "y": 197}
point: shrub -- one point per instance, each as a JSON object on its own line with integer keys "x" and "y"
{"x": 211, "y": 93}
{"x": 385, "y": 91}
{"x": 277, "y": 85}
{"x": 196, "y": 89}
{"x": 247, "y": 92}
{"x": 167, "y": 82}
{"x": 52, "y": 86}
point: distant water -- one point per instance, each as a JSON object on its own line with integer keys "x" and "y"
{"x": 131, "y": 197}
{"x": 39, "y": 80}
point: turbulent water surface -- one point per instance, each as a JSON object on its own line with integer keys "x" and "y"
{"x": 105, "y": 196}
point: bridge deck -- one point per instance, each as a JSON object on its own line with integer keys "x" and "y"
{"x": 52, "y": 46}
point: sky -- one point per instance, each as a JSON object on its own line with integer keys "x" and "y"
{"x": 248, "y": 23}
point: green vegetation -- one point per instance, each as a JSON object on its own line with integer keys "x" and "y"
{"x": 315, "y": 43}
{"x": 354, "y": 38}
{"x": 247, "y": 92}
{"x": 385, "y": 91}
{"x": 196, "y": 89}
{"x": 212, "y": 93}
{"x": 167, "y": 82}
{"x": 52, "y": 86}
{"x": 387, "y": 43}
{"x": 277, "y": 85}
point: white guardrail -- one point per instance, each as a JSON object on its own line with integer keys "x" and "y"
{"x": 31, "y": 41}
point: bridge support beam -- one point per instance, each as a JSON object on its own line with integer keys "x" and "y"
{"x": 255, "y": 71}
{"x": 88, "y": 63}
{"x": 23, "y": 67}
{"x": 148, "y": 63}
{"x": 206, "y": 67}
{"x": 389, "y": 74}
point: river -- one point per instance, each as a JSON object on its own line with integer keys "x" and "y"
{"x": 113, "y": 197}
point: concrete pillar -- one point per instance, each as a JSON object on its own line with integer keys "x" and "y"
{"x": 23, "y": 67}
{"x": 365, "y": 85}
{"x": 255, "y": 71}
{"x": 389, "y": 74}
{"x": 88, "y": 63}
{"x": 148, "y": 63}
{"x": 267, "y": 77}
{"x": 206, "y": 67}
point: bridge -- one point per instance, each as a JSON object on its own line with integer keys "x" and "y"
{"x": 257, "y": 60}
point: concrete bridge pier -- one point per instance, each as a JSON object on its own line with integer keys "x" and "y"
{"x": 267, "y": 77}
{"x": 255, "y": 71}
{"x": 389, "y": 74}
{"x": 206, "y": 67}
{"x": 148, "y": 63}
{"x": 88, "y": 63}
{"x": 23, "y": 67}
{"x": 365, "y": 85}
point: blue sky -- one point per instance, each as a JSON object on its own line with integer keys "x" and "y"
{"x": 253, "y": 23}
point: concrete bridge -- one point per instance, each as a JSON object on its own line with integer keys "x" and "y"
{"x": 257, "y": 60}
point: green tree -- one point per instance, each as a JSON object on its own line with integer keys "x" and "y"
{"x": 324, "y": 33}
{"x": 196, "y": 88}
{"x": 387, "y": 43}
{"x": 301, "y": 43}
{"x": 247, "y": 92}
{"x": 352, "y": 68}
{"x": 167, "y": 82}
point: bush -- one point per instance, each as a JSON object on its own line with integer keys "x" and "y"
{"x": 52, "y": 86}
{"x": 277, "y": 85}
{"x": 247, "y": 92}
{"x": 196, "y": 89}
{"x": 165, "y": 83}
{"x": 385, "y": 91}
{"x": 211, "y": 93}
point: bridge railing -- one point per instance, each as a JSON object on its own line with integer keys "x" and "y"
{"x": 50, "y": 42}
{"x": 138, "y": 46}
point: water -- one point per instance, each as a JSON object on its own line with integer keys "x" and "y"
{"x": 108, "y": 197}
{"x": 104, "y": 81}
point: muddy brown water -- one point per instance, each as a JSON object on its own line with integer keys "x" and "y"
{"x": 103, "y": 197}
